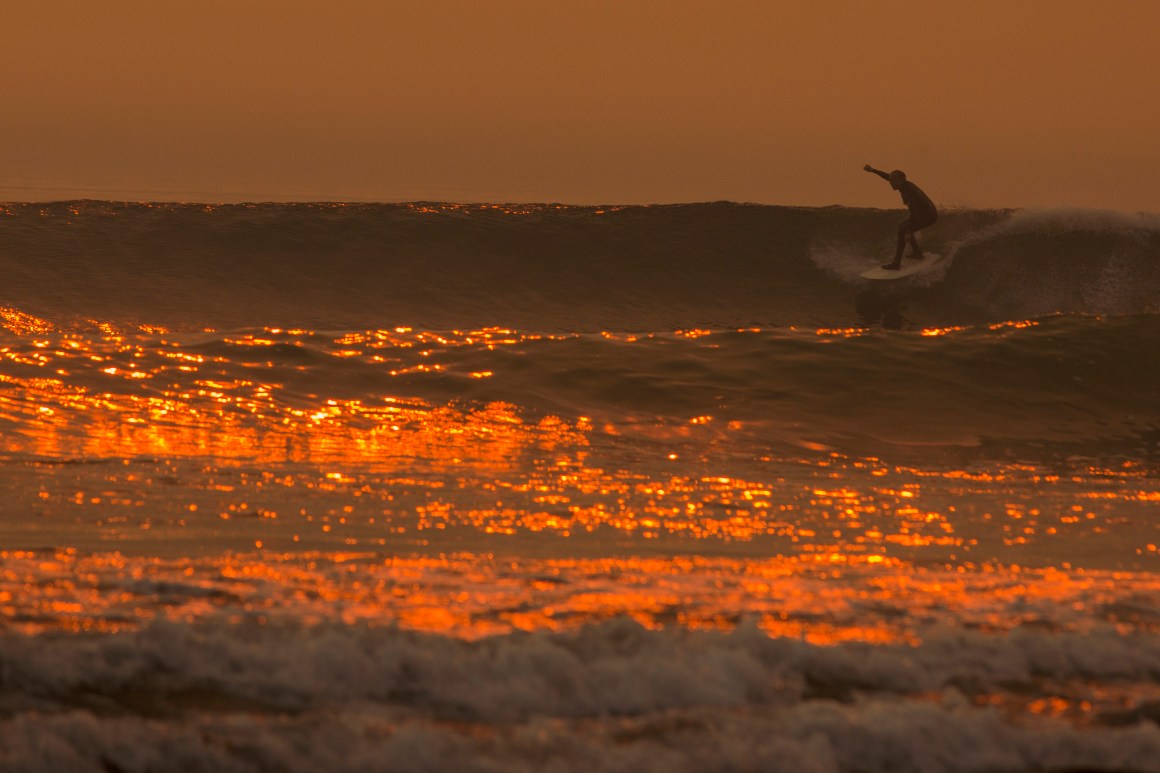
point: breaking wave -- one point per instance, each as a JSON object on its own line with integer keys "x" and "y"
{"x": 554, "y": 267}
{"x": 610, "y": 696}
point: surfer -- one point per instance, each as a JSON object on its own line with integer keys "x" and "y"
{"x": 922, "y": 213}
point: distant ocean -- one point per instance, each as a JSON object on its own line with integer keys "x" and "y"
{"x": 442, "y": 487}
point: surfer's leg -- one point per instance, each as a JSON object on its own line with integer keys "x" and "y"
{"x": 917, "y": 251}
{"x": 903, "y": 233}
{"x": 913, "y": 227}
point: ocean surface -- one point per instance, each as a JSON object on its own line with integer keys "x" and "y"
{"x": 442, "y": 487}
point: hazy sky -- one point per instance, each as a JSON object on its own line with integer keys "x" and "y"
{"x": 1010, "y": 103}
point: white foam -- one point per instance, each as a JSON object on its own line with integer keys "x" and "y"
{"x": 844, "y": 262}
{"x": 1056, "y": 220}
{"x": 610, "y": 696}
{"x": 871, "y": 736}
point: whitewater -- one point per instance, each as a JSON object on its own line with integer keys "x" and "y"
{"x": 437, "y": 486}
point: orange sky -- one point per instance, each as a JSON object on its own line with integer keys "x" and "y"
{"x": 1011, "y": 103}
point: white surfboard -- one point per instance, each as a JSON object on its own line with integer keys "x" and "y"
{"x": 909, "y": 268}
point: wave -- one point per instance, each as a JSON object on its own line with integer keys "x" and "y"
{"x": 609, "y": 696}
{"x": 555, "y": 267}
{"x": 612, "y": 667}
{"x": 1058, "y": 379}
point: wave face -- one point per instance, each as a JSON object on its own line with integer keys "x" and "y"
{"x": 440, "y": 266}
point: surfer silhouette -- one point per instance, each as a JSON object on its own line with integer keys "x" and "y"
{"x": 922, "y": 213}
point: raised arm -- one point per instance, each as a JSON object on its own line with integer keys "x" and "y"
{"x": 878, "y": 172}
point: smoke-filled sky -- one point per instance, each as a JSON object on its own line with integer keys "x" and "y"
{"x": 984, "y": 104}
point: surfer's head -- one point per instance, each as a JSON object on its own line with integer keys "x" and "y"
{"x": 897, "y": 178}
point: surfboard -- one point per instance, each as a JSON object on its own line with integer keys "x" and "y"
{"x": 909, "y": 268}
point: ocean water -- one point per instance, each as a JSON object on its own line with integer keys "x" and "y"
{"x": 428, "y": 487}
